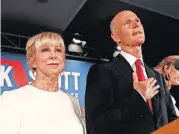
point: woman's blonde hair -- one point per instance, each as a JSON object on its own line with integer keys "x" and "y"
{"x": 45, "y": 38}
{"x": 166, "y": 66}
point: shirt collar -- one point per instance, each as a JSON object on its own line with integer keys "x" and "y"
{"x": 130, "y": 58}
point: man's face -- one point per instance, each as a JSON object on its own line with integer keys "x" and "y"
{"x": 129, "y": 29}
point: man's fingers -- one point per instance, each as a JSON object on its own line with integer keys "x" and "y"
{"x": 149, "y": 80}
{"x": 152, "y": 89}
{"x": 155, "y": 87}
{"x": 150, "y": 96}
{"x": 135, "y": 77}
{"x": 152, "y": 92}
{"x": 152, "y": 83}
{"x": 155, "y": 92}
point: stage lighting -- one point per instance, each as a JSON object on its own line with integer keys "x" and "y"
{"x": 73, "y": 47}
{"x": 117, "y": 51}
{"x": 77, "y": 44}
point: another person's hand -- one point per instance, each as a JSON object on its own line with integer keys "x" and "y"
{"x": 146, "y": 88}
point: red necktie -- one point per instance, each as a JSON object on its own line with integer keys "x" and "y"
{"x": 141, "y": 77}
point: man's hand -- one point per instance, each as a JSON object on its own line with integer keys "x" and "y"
{"x": 146, "y": 88}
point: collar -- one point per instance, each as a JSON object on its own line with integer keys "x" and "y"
{"x": 130, "y": 58}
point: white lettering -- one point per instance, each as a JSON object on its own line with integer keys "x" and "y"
{"x": 5, "y": 75}
{"x": 76, "y": 79}
{"x": 66, "y": 74}
{"x": 59, "y": 81}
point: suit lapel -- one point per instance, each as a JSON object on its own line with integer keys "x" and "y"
{"x": 155, "y": 99}
{"x": 123, "y": 67}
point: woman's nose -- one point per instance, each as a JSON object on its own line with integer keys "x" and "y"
{"x": 53, "y": 55}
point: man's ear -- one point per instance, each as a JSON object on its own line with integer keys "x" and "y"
{"x": 115, "y": 38}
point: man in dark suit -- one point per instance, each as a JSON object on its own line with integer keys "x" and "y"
{"x": 123, "y": 96}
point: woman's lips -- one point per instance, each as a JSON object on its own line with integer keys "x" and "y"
{"x": 53, "y": 64}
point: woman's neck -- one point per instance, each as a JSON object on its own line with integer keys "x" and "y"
{"x": 46, "y": 83}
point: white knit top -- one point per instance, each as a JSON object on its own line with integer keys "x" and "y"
{"x": 29, "y": 110}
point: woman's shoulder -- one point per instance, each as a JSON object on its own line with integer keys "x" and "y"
{"x": 14, "y": 95}
{"x": 75, "y": 103}
{"x": 16, "y": 90}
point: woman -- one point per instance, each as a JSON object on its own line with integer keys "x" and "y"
{"x": 169, "y": 68}
{"x": 41, "y": 108}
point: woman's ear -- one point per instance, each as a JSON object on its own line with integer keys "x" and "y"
{"x": 34, "y": 68}
{"x": 32, "y": 63}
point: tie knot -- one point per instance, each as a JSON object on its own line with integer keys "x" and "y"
{"x": 138, "y": 62}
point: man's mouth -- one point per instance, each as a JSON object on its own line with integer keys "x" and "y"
{"x": 138, "y": 32}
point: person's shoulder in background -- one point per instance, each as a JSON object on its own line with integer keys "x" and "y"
{"x": 175, "y": 93}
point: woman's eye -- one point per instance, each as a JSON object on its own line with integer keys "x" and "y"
{"x": 45, "y": 50}
{"x": 58, "y": 50}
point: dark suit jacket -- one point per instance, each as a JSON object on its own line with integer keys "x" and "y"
{"x": 113, "y": 106}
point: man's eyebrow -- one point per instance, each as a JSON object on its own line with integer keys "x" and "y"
{"x": 127, "y": 20}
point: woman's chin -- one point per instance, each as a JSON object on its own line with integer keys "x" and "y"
{"x": 53, "y": 72}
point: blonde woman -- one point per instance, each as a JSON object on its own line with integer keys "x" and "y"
{"x": 169, "y": 68}
{"x": 41, "y": 108}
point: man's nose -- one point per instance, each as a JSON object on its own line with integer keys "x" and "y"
{"x": 135, "y": 24}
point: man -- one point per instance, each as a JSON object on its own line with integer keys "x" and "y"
{"x": 122, "y": 96}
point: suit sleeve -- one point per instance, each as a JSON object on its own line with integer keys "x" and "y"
{"x": 102, "y": 116}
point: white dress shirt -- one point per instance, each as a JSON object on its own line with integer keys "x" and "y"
{"x": 174, "y": 103}
{"x": 131, "y": 60}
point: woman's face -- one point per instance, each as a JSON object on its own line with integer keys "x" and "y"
{"x": 49, "y": 60}
{"x": 175, "y": 80}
